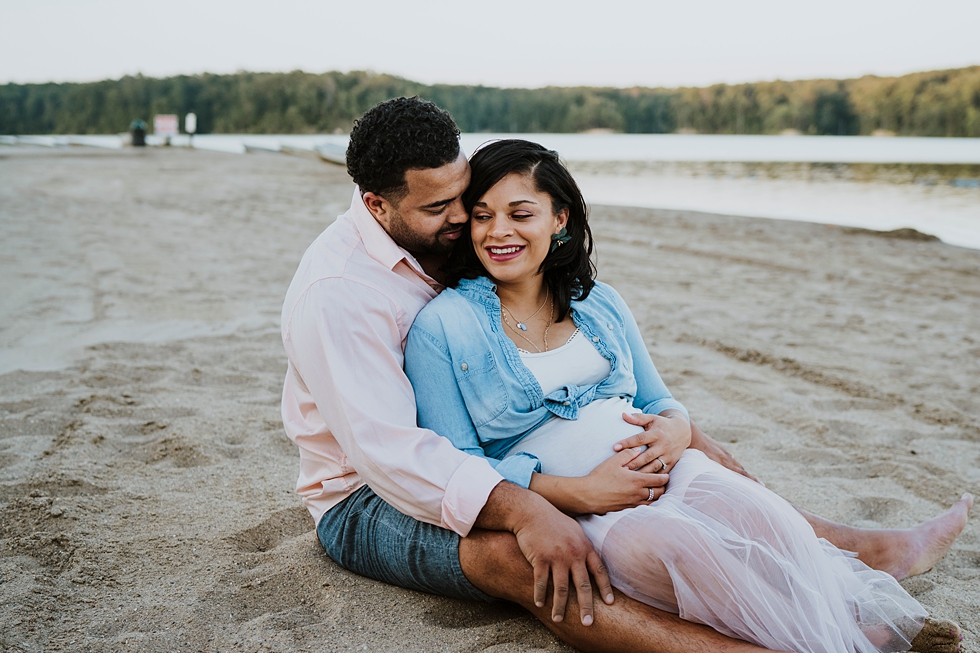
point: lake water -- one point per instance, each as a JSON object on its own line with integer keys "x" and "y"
{"x": 928, "y": 184}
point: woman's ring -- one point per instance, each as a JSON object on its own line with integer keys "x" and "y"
{"x": 664, "y": 468}
{"x": 651, "y": 497}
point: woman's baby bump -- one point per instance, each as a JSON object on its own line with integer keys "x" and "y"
{"x": 574, "y": 447}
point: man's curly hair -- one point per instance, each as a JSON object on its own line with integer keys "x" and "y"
{"x": 396, "y": 136}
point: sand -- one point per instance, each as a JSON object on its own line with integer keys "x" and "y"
{"x": 146, "y": 485}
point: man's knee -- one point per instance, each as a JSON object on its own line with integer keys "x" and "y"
{"x": 494, "y": 563}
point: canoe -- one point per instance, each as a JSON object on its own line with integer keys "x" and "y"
{"x": 253, "y": 148}
{"x": 332, "y": 153}
{"x": 298, "y": 151}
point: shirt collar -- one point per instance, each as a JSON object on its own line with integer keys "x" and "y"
{"x": 377, "y": 242}
{"x": 481, "y": 287}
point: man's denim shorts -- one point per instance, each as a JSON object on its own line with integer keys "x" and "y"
{"x": 367, "y": 536}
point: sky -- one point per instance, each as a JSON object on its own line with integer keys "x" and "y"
{"x": 524, "y": 43}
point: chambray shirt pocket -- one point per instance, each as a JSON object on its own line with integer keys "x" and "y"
{"x": 481, "y": 385}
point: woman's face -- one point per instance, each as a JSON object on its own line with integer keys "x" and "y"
{"x": 511, "y": 228}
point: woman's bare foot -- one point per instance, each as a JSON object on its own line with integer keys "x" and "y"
{"x": 900, "y": 552}
{"x": 938, "y": 637}
{"x": 924, "y": 545}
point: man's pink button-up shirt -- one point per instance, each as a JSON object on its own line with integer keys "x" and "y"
{"x": 346, "y": 401}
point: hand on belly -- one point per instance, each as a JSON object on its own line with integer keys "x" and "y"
{"x": 576, "y": 447}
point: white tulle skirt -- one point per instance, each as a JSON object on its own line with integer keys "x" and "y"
{"x": 721, "y": 550}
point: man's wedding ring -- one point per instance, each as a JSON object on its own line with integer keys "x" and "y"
{"x": 664, "y": 468}
{"x": 650, "y": 498}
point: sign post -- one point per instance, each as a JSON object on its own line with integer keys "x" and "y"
{"x": 190, "y": 126}
{"x": 166, "y": 125}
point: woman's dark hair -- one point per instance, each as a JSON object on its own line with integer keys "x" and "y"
{"x": 407, "y": 133}
{"x": 568, "y": 270}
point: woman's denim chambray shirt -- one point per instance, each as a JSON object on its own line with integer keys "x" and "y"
{"x": 471, "y": 386}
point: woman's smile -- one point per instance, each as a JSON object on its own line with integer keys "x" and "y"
{"x": 505, "y": 252}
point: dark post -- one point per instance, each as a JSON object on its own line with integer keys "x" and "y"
{"x": 138, "y": 131}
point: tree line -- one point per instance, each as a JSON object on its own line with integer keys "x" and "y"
{"x": 938, "y": 103}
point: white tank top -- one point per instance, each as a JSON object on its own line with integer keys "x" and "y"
{"x": 575, "y": 447}
{"x": 575, "y": 363}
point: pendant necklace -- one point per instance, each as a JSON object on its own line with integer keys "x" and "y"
{"x": 547, "y": 328}
{"x": 522, "y": 324}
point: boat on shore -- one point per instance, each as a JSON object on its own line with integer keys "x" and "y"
{"x": 332, "y": 153}
{"x": 298, "y": 151}
{"x": 42, "y": 141}
{"x": 258, "y": 148}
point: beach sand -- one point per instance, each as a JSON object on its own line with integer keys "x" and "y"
{"x": 146, "y": 485}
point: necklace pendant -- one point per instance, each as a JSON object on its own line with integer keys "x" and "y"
{"x": 522, "y": 326}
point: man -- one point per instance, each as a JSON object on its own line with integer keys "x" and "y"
{"x": 399, "y": 503}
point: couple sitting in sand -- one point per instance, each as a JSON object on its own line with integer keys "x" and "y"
{"x": 446, "y": 456}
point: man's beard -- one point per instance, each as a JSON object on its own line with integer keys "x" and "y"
{"x": 416, "y": 243}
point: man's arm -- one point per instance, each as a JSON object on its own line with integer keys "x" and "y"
{"x": 440, "y": 405}
{"x": 344, "y": 340}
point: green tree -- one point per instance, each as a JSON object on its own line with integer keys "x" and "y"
{"x": 938, "y": 103}
{"x": 833, "y": 114}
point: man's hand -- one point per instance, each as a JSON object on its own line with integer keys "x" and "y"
{"x": 553, "y": 543}
{"x": 665, "y": 436}
{"x": 717, "y": 453}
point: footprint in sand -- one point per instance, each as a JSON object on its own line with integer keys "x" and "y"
{"x": 281, "y": 526}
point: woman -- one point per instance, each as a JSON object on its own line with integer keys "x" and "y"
{"x": 528, "y": 361}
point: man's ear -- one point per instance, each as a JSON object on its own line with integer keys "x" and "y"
{"x": 379, "y": 207}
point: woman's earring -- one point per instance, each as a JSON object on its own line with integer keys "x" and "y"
{"x": 559, "y": 239}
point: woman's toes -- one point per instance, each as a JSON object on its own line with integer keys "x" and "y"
{"x": 938, "y": 636}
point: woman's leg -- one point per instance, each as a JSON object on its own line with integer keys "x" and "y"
{"x": 743, "y": 561}
{"x": 901, "y": 552}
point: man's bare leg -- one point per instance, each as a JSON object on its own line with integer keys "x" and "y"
{"x": 900, "y": 552}
{"x": 493, "y": 562}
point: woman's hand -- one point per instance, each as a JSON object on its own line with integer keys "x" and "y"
{"x": 665, "y": 436}
{"x": 612, "y": 486}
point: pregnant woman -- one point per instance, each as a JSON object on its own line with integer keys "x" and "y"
{"x": 528, "y": 361}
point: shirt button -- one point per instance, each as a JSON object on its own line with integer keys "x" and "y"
{"x": 595, "y": 338}
{"x": 566, "y": 403}
{"x": 609, "y": 326}
{"x": 464, "y": 367}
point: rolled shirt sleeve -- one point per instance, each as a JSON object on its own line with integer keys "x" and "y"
{"x": 442, "y": 408}
{"x": 344, "y": 339}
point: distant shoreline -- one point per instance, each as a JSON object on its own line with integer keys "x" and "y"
{"x": 926, "y": 104}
